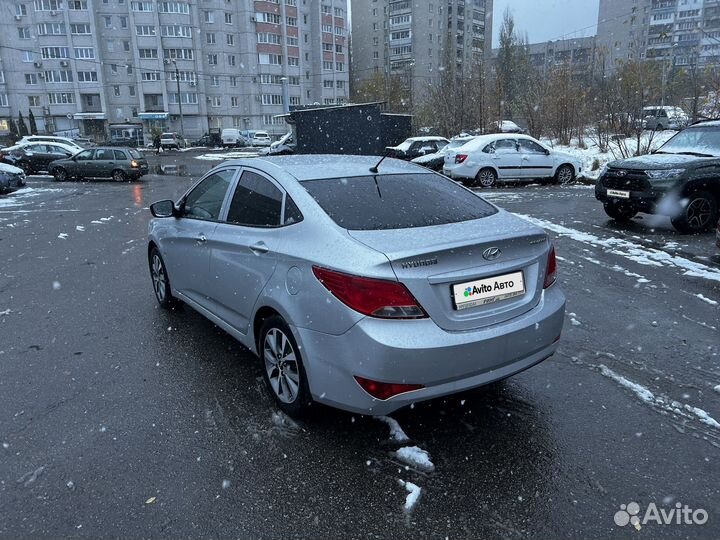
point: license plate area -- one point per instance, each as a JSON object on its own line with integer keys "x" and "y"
{"x": 485, "y": 291}
{"x": 618, "y": 193}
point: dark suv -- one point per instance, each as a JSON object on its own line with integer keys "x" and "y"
{"x": 681, "y": 180}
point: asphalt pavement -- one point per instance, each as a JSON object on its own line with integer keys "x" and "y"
{"x": 119, "y": 419}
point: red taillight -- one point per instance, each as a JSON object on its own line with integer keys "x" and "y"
{"x": 460, "y": 158}
{"x": 381, "y": 390}
{"x": 374, "y": 297}
{"x": 551, "y": 269}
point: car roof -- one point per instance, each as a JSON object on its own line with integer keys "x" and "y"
{"x": 429, "y": 138}
{"x": 483, "y": 140}
{"x": 23, "y": 144}
{"x": 324, "y": 166}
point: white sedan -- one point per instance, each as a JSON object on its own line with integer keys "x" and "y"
{"x": 503, "y": 156}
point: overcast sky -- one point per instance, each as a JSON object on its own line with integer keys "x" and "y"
{"x": 544, "y": 20}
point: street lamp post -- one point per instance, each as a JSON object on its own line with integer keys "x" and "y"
{"x": 177, "y": 81}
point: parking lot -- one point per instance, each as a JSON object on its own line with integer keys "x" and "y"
{"x": 120, "y": 419}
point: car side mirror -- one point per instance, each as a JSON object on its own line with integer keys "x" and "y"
{"x": 163, "y": 209}
{"x": 547, "y": 152}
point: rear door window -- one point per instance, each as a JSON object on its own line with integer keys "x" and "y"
{"x": 397, "y": 201}
{"x": 257, "y": 202}
{"x": 103, "y": 154}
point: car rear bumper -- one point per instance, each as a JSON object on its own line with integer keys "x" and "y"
{"x": 419, "y": 352}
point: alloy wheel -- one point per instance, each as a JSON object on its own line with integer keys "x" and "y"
{"x": 486, "y": 178}
{"x": 699, "y": 212}
{"x": 159, "y": 278}
{"x": 282, "y": 366}
{"x": 565, "y": 175}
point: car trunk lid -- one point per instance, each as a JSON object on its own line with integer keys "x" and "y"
{"x": 431, "y": 267}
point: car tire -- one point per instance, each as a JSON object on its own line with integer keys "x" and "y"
{"x": 60, "y": 174}
{"x": 160, "y": 280}
{"x": 564, "y": 175}
{"x": 282, "y": 367}
{"x": 621, "y": 213}
{"x": 119, "y": 176}
{"x": 486, "y": 178}
{"x": 699, "y": 214}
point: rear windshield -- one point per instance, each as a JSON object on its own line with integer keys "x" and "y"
{"x": 397, "y": 201}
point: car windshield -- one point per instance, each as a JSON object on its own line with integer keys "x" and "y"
{"x": 397, "y": 201}
{"x": 134, "y": 153}
{"x": 694, "y": 141}
{"x": 405, "y": 145}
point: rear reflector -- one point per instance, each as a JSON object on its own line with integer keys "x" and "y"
{"x": 460, "y": 158}
{"x": 374, "y": 297}
{"x": 381, "y": 390}
{"x": 551, "y": 269}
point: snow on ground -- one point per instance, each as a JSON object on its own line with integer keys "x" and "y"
{"x": 396, "y": 432}
{"x": 708, "y": 300}
{"x": 592, "y": 152}
{"x": 217, "y": 156}
{"x": 630, "y": 250}
{"x": 660, "y": 402}
{"x": 415, "y": 457}
{"x": 24, "y": 196}
{"x": 412, "y": 496}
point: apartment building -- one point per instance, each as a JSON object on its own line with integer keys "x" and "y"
{"x": 578, "y": 53}
{"x": 122, "y": 67}
{"x": 409, "y": 39}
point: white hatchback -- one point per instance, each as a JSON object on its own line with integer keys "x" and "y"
{"x": 504, "y": 156}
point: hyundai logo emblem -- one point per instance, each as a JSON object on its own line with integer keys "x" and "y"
{"x": 621, "y": 172}
{"x": 491, "y": 253}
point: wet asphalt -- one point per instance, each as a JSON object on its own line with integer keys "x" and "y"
{"x": 121, "y": 420}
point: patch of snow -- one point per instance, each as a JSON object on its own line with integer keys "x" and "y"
{"x": 79, "y": 228}
{"x": 639, "y": 390}
{"x": 5, "y": 312}
{"x": 631, "y": 250}
{"x": 415, "y": 457}
{"x": 413, "y": 495}
{"x": 396, "y": 432}
{"x": 717, "y": 388}
{"x": 708, "y": 300}
{"x": 703, "y": 416}
{"x": 63, "y": 236}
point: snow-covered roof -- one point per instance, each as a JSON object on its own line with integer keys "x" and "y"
{"x": 429, "y": 138}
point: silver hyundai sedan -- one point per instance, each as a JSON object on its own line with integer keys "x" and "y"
{"x": 362, "y": 286}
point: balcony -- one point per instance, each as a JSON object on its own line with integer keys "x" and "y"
{"x": 154, "y": 103}
{"x": 90, "y": 103}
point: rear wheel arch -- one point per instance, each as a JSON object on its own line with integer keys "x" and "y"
{"x": 261, "y": 315}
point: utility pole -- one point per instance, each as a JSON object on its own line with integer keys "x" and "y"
{"x": 177, "y": 81}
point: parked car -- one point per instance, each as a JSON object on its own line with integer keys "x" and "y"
{"x": 284, "y": 146}
{"x": 679, "y": 179}
{"x": 51, "y": 139}
{"x": 506, "y": 126}
{"x": 436, "y": 161}
{"x": 657, "y": 118}
{"x": 717, "y": 234}
{"x": 35, "y": 157}
{"x": 416, "y": 146}
{"x": 489, "y": 158}
{"x": 120, "y": 164}
{"x": 208, "y": 140}
{"x": 84, "y": 142}
{"x": 232, "y": 138}
{"x": 11, "y": 178}
{"x": 172, "y": 141}
{"x": 261, "y": 138}
{"x": 369, "y": 325}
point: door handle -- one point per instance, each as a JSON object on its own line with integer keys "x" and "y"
{"x": 201, "y": 238}
{"x": 259, "y": 248}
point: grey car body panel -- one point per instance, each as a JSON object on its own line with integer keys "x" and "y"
{"x": 449, "y": 351}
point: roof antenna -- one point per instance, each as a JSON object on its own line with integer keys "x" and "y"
{"x": 374, "y": 169}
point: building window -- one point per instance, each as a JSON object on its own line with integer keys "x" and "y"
{"x": 31, "y": 78}
{"x": 51, "y": 29}
{"x": 270, "y": 59}
{"x": 141, "y": 6}
{"x": 233, "y": 80}
{"x": 216, "y": 101}
{"x": 188, "y": 98}
{"x": 84, "y": 53}
{"x": 271, "y": 99}
{"x": 174, "y": 7}
{"x": 228, "y": 18}
{"x": 62, "y": 76}
{"x": 87, "y": 76}
{"x": 61, "y": 98}
{"x": 34, "y": 101}
{"x": 293, "y": 61}
{"x": 145, "y": 30}
{"x": 209, "y": 17}
{"x": 272, "y": 18}
{"x": 148, "y": 76}
{"x": 24, "y": 32}
{"x": 116, "y": 91}
{"x": 230, "y": 39}
{"x": 176, "y": 30}
{"x": 54, "y": 52}
{"x": 210, "y": 38}
{"x": 214, "y": 80}
{"x": 48, "y": 5}
{"x": 231, "y": 60}
{"x": 145, "y": 54}
{"x": 234, "y": 101}
{"x": 291, "y": 21}
{"x": 108, "y": 21}
{"x": 212, "y": 59}
{"x": 131, "y": 90}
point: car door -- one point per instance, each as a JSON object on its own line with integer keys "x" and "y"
{"x": 103, "y": 163}
{"x": 55, "y": 152}
{"x": 35, "y": 155}
{"x": 244, "y": 247}
{"x": 536, "y": 161}
{"x": 186, "y": 247}
{"x": 506, "y": 158}
{"x": 81, "y": 164}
